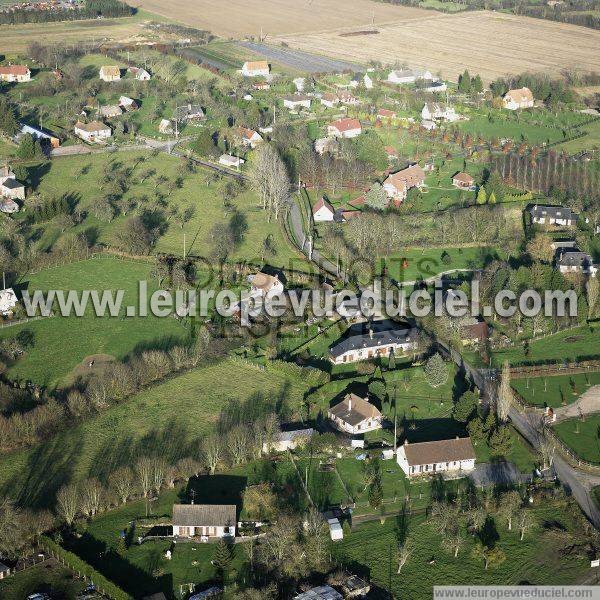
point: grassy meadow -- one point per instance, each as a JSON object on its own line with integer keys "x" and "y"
{"x": 555, "y": 391}
{"x": 582, "y": 436}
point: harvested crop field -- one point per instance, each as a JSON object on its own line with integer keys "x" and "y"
{"x": 491, "y": 44}
{"x": 243, "y": 18}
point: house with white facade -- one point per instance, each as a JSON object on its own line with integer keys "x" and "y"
{"x": 401, "y": 76}
{"x": 428, "y": 458}
{"x": 234, "y": 162}
{"x": 397, "y": 184}
{"x": 355, "y": 415}
{"x": 94, "y": 132}
{"x": 297, "y": 101}
{"x": 249, "y": 137}
{"x": 140, "y": 74}
{"x": 380, "y": 339}
{"x": 347, "y": 98}
{"x": 517, "y": 99}
{"x": 329, "y": 100}
{"x": 256, "y": 68}
{"x": 575, "y": 261}
{"x": 345, "y": 127}
{"x": 8, "y": 301}
{"x": 288, "y": 440}
{"x": 553, "y": 215}
{"x": 15, "y": 73}
{"x": 432, "y": 111}
{"x": 322, "y": 211}
{"x": 10, "y": 189}
{"x": 204, "y": 520}
{"x": 265, "y": 286}
{"x": 109, "y": 73}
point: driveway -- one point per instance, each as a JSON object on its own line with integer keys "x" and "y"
{"x": 502, "y": 473}
{"x": 586, "y": 404}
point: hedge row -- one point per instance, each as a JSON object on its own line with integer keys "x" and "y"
{"x": 103, "y": 585}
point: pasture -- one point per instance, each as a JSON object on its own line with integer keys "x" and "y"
{"x": 555, "y": 391}
{"x": 582, "y": 436}
{"x": 165, "y": 420}
{"x": 477, "y": 41}
{"x": 61, "y": 343}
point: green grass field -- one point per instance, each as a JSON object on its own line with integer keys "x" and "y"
{"x": 85, "y": 179}
{"x": 555, "y": 391}
{"x": 49, "y": 577}
{"x": 167, "y": 420}
{"x": 591, "y": 140}
{"x": 583, "y": 437}
{"x": 370, "y": 551}
{"x": 61, "y": 343}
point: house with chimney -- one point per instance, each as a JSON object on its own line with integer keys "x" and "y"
{"x": 296, "y": 101}
{"x": 10, "y": 190}
{"x": 397, "y": 184}
{"x": 355, "y": 415}
{"x": 344, "y": 128}
{"x": 552, "y": 215}
{"x": 204, "y": 520}
{"x": 109, "y": 73}
{"x": 443, "y": 456}
{"x": 15, "y": 73}
{"x": 256, "y": 68}
{"x": 575, "y": 261}
{"x": 322, "y": 211}
{"x": 517, "y": 99}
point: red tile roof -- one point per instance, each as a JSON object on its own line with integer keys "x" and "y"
{"x": 14, "y": 70}
{"x": 346, "y": 124}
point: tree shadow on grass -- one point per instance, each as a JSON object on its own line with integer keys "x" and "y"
{"x": 430, "y": 430}
{"x": 215, "y": 489}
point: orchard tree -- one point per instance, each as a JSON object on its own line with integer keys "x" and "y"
{"x": 436, "y": 371}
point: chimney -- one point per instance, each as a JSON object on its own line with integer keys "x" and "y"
{"x": 349, "y": 402}
{"x": 405, "y": 443}
{"x": 370, "y": 331}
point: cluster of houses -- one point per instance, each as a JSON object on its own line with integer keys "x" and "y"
{"x": 10, "y": 191}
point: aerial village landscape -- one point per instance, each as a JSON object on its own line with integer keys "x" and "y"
{"x": 356, "y": 151}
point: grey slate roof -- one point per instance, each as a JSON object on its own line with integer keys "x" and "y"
{"x": 323, "y": 592}
{"x": 575, "y": 259}
{"x": 189, "y": 111}
{"x": 552, "y": 212}
{"x": 378, "y": 338}
{"x": 206, "y": 515}
{"x": 12, "y": 184}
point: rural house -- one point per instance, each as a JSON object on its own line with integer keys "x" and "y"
{"x": 140, "y": 74}
{"x": 322, "y": 592}
{"x": 110, "y": 73}
{"x": 384, "y": 113}
{"x": 249, "y": 137}
{"x": 8, "y": 300}
{"x": 516, "y": 99}
{"x": 345, "y": 127}
{"x": 4, "y": 571}
{"x": 288, "y": 440}
{"x": 234, "y": 162}
{"x": 128, "y": 104}
{"x": 110, "y": 111}
{"x": 188, "y": 112}
{"x": 255, "y": 68}
{"x": 322, "y": 211}
{"x": 92, "y": 132}
{"x": 165, "y": 127}
{"x": 435, "y": 86}
{"x": 463, "y": 181}
{"x": 397, "y": 185}
{"x": 345, "y": 97}
{"x": 432, "y": 111}
{"x": 574, "y": 261}
{"x": 433, "y": 457}
{"x": 329, "y": 100}
{"x": 10, "y": 188}
{"x": 265, "y": 285}
{"x": 15, "y": 73}
{"x": 355, "y": 415}
{"x": 297, "y": 101}
{"x": 204, "y": 520}
{"x": 379, "y": 340}
{"x": 553, "y": 215}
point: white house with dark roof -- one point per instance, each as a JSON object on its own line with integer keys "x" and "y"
{"x": 553, "y": 215}
{"x": 355, "y": 415}
{"x": 204, "y": 520}
{"x": 574, "y": 261}
{"x": 188, "y": 112}
{"x": 93, "y": 132}
{"x": 428, "y": 458}
{"x": 400, "y": 76}
{"x": 297, "y": 101}
{"x": 10, "y": 188}
{"x": 372, "y": 344}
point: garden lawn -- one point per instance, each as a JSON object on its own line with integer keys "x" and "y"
{"x": 86, "y": 180}
{"x": 370, "y": 550}
{"x": 583, "y": 437}
{"x": 61, "y": 343}
{"x": 590, "y": 141}
{"x": 555, "y": 391}
{"x": 165, "y": 420}
{"x": 49, "y": 577}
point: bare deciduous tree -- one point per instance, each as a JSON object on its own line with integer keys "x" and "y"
{"x": 68, "y": 501}
{"x": 121, "y": 482}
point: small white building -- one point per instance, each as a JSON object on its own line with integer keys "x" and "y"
{"x": 336, "y": 532}
{"x": 93, "y": 132}
{"x": 234, "y": 162}
{"x": 256, "y": 68}
{"x": 355, "y": 415}
{"x": 299, "y": 82}
{"x": 322, "y": 211}
{"x": 288, "y": 440}
{"x": 109, "y": 73}
{"x": 517, "y": 99}
{"x": 15, "y": 73}
{"x": 434, "y": 457}
{"x": 346, "y": 128}
{"x": 330, "y": 100}
{"x": 297, "y": 101}
{"x": 8, "y": 301}
{"x": 140, "y": 74}
{"x": 11, "y": 189}
{"x": 204, "y": 520}
{"x": 432, "y": 111}
{"x": 249, "y": 137}
{"x": 403, "y": 76}
{"x": 165, "y": 127}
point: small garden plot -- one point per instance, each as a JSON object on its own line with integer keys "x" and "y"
{"x": 582, "y": 435}
{"x": 555, "y": 391}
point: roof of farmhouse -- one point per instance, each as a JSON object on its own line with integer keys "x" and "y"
{"x": 354, "y": 410}
{"x": 372, "y": 340}
{"x": 211, "y": 515}
{"x": 428, "y": 453}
